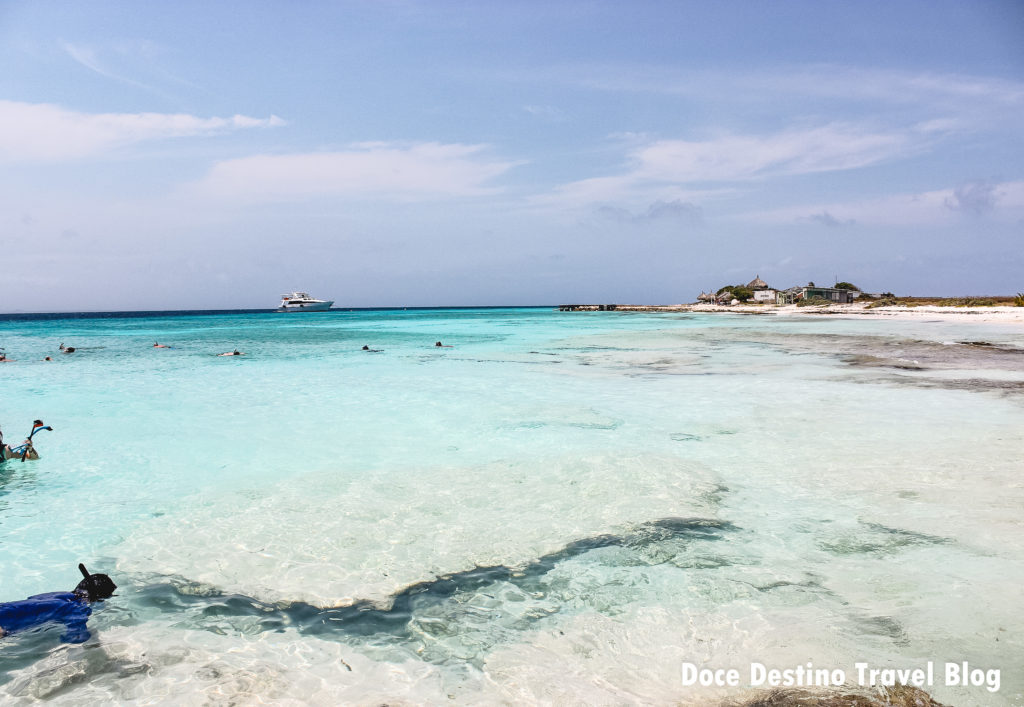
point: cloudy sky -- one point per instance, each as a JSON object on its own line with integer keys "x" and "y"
{"x": 400, "y": 152}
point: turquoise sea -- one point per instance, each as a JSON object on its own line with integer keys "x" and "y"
{"x": 554, "y": 508}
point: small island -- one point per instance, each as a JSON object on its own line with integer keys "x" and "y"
{"x": 840, "y": 299}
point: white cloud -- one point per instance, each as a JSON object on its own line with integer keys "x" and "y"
{"x": 739, "y": 157}
{"x": 1002, "y": 202}
{"x": 33, "y": 132}
{"x": 678, "y": 212}
{"x": 387, "y": 170}
{"x": 827, "y": 219}
{"x": 625, "y": 192}
{"x": 832, "y": 81}
{"x": 550, "y": 113}
{"x": 86, "y": 56}
{"x": 669, "y": 169}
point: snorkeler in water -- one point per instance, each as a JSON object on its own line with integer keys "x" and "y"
{"x": 69, "y": 608}
{"x": 25, "y": 450}
{"x": 236, "y": 352}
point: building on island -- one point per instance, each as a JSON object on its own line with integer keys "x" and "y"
{"x": 762, "y": 292}
{"x": 789, "y": 296}
{"x": 833, "y": 295}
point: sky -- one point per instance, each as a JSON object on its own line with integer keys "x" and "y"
{"x": 198, "y": 155}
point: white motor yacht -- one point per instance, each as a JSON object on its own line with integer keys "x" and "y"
{"x": 302, "y": 302}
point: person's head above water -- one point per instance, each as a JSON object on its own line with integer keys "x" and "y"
{"x": 95, "y": 587}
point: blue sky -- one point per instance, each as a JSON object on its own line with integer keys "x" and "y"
{"x": 214, "y": 155}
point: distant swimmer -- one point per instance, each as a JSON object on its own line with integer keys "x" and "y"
{"x": 367, "y": 348}
{"x": 443, "y": 346}
{"x": 158, "y": 345}
{"x": 4, "y": 359}
{"x": 72, "y": 609}
{"x": 236, "y": 352}
{"x": 47, "y": 359}
{"x": 66, "y": 349}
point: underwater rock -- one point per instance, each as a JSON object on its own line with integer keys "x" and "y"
{"x": 898, "y": 696}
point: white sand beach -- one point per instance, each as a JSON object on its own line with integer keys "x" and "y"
{"x": 993, "y": 314}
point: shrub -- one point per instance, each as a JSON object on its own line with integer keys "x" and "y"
{"x": 740, "y": 292}
{"x": 1018, "y": 301}
{"x": 813, "y": 302}
{"x": 964, "y": 302}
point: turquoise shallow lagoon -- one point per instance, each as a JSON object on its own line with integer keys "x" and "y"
{"x": 558, "y": 507}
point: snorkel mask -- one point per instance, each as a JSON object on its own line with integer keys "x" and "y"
{"x": 95, "y": 587}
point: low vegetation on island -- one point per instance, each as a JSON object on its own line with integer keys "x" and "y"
{"x": 758, "y": 292}
{"x": 890, "y": 300}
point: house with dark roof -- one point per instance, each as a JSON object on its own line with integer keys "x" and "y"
{"x": 833, "y": 295}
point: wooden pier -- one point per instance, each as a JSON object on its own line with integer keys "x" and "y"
{"x": 587, "y": 307}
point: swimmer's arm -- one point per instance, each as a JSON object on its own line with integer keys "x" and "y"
{"x": 75, "y": 631}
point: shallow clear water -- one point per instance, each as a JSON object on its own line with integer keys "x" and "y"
{"x": 561, "y": 506}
